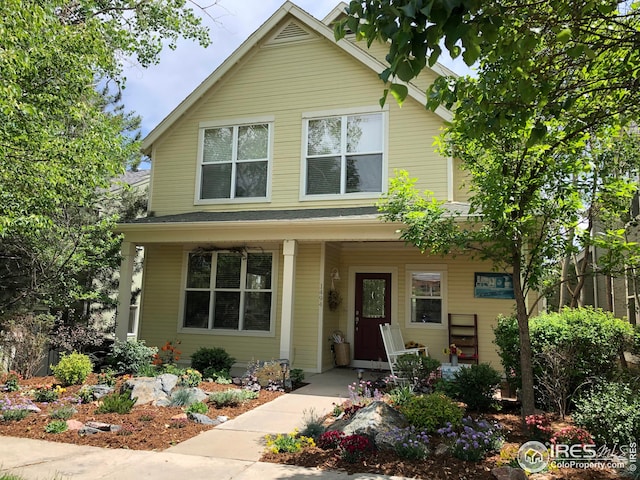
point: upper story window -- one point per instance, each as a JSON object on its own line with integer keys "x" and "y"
{"x": 234, "y": 161}
{"x": 344, "y": 155}
{"x": 427, "y": 293}
{"x": 229, "y": 291}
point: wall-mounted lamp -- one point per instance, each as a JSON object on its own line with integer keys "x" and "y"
{"x": 335, "y": 275}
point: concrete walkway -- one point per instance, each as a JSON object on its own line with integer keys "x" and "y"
{"x": 228, "y": 451}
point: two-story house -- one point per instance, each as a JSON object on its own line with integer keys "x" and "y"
{"x": 262, "y": 198}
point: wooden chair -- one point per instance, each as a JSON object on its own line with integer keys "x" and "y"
{"x": 394, "y": 347}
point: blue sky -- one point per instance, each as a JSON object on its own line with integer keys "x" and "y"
{"x": 154, "y": 92}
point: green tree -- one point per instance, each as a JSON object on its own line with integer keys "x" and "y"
{"x": 555, "y": 80}
{"x": 62, "y": 139}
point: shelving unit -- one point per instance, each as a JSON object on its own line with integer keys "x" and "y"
{"x": 463, "y": 332}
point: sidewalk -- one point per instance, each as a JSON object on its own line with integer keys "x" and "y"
{"x": 229, "y": 451}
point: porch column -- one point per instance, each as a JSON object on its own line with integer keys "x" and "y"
{"x": 289, "y": 250}
{"x": 128, "y": 252}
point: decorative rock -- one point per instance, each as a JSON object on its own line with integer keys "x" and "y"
{"x": 203, "y": 419}
{"x": 32, "y": 408}
{"x": 88, "y": 431}
{"x": 99, "y": 391}
{"x": 168, "y": 381}
{"x": 541, "y": 476}
{"x": 374, "y": 420}
{"x": 152, "y": 390}
{"x": 74, "y": 424}
{"x": 197, "y": 394}
{"x": 103, "y": 427}
{"x": 509, "y": 473}
{"x": 441, "y": 449}
{"x": 180, "y": 416}
{"x": 222, "y": 418}
{"x": 115, "y": 428}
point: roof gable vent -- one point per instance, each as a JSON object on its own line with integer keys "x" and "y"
{"x": 291, "y": 32}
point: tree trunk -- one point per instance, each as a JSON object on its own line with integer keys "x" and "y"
{"x": 526, "y": 364}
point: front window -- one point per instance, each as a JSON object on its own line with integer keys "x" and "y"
{"x": 344, "y": 155}
{"x": 426, "y": 297}
{"x": 234, "y": 161}
{"x": 229, "y": 291}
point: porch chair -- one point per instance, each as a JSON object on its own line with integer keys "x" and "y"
{"x": 394, "y": 347}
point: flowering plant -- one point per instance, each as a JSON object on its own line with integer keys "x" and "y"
{"x": 288, "y": 443}
{"x": 452, "y": 350}
{"x": 354, "y": 447}
{"x": 331, "y": 439}
{"x": 168, "y": 355}
{"x": 408, "y": 443}
{"x": 539, "y": 427}
{"x": 572, "y": 436}
{"x": 477, "y": 438}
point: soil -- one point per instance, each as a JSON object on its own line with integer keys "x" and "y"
{"x": 153, "y": 428}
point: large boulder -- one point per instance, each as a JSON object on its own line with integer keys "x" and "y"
{"x": 154, "y": 390}
{"x": 374, "y": 421}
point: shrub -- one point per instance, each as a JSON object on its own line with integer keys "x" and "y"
{"x": 223, "y": 378}
{"x": 288, "y": 443}
{"x": 56, "y": 426}
{"x": 431, "y": 412}
{"x": 107, "y": 377}
{"x": 267, "y": 375}
{"x": 47, "y": 394}
{"x": 76, "y": 338}
{"x": 475, "y": 440}
{"x": 611, "y": 412}
{"x": 572, "y": 436}
{"x": 11, "y": 381}
{"x": 131, "y": 356}
{"x": 26, "y": 337}
{"x": 14, "y": 414}
{"x": 595, "y": 338}
{"x": 85, "y": 394}
{"x": 418, "y": 369}
{"x": 216, "y": 358}
{"x": 197, "y": 407}
{"x": 190, "y": 378}
{"x": 117, "y": 403}
{"x": 354, "y": 447}
{"x": 231, "y": 397}
{"x": 65, "y": 412}
{"x": 331, "y": 439}
{"x": 408, "y": 443}
{"x": 401, "y": 395}
{"x": 181, "y": 397}
{"x": 476, "y": 385}
{"x": 539, "y": 427}
{"x": 72, "y": 369}
{"x": 313, "y": 426}
{"x": 297, "y": 377}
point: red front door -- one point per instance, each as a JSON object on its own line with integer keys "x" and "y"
{"x": 372, "y": 308}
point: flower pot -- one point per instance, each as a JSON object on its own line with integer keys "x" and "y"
{"x": 454, "y": 360}
{"x": 342, "y": 353}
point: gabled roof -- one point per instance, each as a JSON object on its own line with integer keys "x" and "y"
{"x": 313, "y": 24}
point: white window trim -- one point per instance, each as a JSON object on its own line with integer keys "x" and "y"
{"x": 430, "y": 268}
{"x": 227, "y": 332}
{"x": 270, "y": 120}
{"x": 366, "y": 110}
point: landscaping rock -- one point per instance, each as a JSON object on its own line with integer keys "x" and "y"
{"x": 222, "y": 418}
{"x": 197, "y": 394}
{"x": 374, "y": 420}
{"x": 99, "y": 391}
{"x": 115, "y": 428}
{"x": 32, "y": 408}
{"x": 154, "y": 390}
{"x": 441, "y": 449}
{"x": 88, "y": 431}
{"x": 74, "y": 424}
{"x": 203, "y": 419}
{"x": 103, "y": 427}
{"x": 509, "y": 473}
{"x": 180, "y": 416}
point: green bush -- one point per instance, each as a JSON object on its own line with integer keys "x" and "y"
{"x": 610, "y": 412}
{"x": 56, "y": 426}
{"x": 131, "y": 356}
{"x": 216, "y": 358}
{"x": 231, "y": 397}
{"x": 223, "y": 378}
{"x": 182, "y": 397}
{"x": 594, "y": 337}
{"x": 14, "y": 414}
{"x": 197, "y": 407}
{"x": 418, "y": 369}
{"x": 190, "y": 378}
{"x": 72, "y": 369}
{"x": 117, "y": 403}
{"x": 65, "y": 412}
{"x": 432, "y": 412}
{"x": 476, "y": 385}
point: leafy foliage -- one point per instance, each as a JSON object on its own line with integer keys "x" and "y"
{"x": 131, "y": 356}
{"x": 72, "y": 369}
{"x": 610, "y": 412}
{"x": 431, "y": 412}
{"x": 288, "y": 443}
{"x": 116, "y": 403}
{"x": 419, "y": 369}
{"x": 593, "y": 339}
{"x": 476, "y": 385}
{"x": 182, "y": 397}
{"x": 212, "y": 358}
{"x": 197, "y": 407}
{"x": 56, "y": 426}
{"x": 231, "y": 397}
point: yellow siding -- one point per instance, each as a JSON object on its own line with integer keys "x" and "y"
{"x": 331, "y": 319}
{"x": 460, "y": 299}
{"x": 284, "y": 81}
